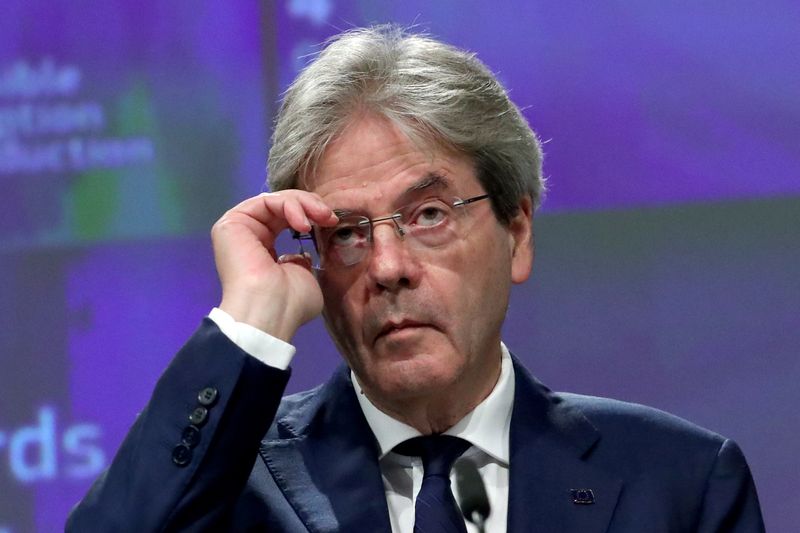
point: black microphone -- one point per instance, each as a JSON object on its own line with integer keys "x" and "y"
{"x": 472, "y": 494}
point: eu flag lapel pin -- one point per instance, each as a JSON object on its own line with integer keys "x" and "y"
{"x": 582, "y": 496}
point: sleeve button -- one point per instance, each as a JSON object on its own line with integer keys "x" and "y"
{"x": 190, "y": 436}
{"x": 198, "y": 416}
{"x": 181, "y": 455}
{"x": 208, "y": 396}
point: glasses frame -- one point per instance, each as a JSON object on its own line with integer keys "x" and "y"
{"x": 394, "y": 217}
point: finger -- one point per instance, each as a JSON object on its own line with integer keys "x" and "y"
{"x": 292, "y": 205}
{"x": 233, "y": 219}
{"x": 303, "y": 260}
{"x": 266, "y": 210}
{"x": 301, "y": 209}
{"x": 318, "y": 211}
{"x": 290, "y": 208}
{"x": 314, "y": 208}
{"x": 296, "y": 216}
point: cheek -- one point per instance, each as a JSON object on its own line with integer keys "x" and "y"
{"x": 484, "y": 289}
{"x": 340, "y": 311}
{"x": 453, "y": 295}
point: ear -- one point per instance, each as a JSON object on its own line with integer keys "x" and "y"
{"x": 520, "y": 230}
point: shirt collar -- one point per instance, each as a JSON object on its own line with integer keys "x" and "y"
{"x": 486, "y": 427}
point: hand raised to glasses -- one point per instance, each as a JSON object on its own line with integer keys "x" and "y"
{"x": 273, "y": 295}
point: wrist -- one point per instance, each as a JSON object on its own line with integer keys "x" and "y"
{"x": 271, "y": 318}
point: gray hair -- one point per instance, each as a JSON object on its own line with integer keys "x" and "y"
{"x": 436, "y": 94}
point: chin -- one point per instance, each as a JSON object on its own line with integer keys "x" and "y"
{"x": 411, "y": 377}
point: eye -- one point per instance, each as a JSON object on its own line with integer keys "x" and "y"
{"x": 431, "y": 214}
{"x": 347, "y": 235}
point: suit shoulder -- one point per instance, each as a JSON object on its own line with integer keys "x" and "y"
{"x": 636, "y": 423}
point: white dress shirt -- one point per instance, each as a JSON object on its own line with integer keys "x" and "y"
{"x": 486, "y": 427}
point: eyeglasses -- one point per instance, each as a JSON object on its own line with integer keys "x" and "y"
{"x": 428, "y": 224}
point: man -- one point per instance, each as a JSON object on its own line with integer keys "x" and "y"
{"x": 417, "y": 179}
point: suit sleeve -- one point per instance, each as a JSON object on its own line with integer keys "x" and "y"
{"x": 730, "y": 503}
{"x": 158, "y": 483}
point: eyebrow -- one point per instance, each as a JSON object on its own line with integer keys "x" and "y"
{"x": 430, "y": 180}
{"x": 342, "y": 213}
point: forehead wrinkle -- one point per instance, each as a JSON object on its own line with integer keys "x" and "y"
{"x": 431, "y": 180}
{"x": 398, "y": 153}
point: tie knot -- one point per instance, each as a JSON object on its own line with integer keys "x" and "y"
{"x": 438, "y": 452}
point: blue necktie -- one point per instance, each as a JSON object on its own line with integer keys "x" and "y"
{"x": 435, "y": 510}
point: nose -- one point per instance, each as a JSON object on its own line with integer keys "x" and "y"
{"x": 392, "y": 265}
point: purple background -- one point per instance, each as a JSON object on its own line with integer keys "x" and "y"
{"x": 667, "y": 250}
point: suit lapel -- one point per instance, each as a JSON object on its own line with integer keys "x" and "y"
{"x": 324, "y": 459}
{"x": 326, "y": 462}
{"x": 550, "y": 444}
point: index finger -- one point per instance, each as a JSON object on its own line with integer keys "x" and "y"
{"x": 290, "y": 208}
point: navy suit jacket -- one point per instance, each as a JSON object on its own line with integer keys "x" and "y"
{"x": 317, "y": 467}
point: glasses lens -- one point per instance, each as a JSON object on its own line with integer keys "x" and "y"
{"x": 345, "y": 244}
{"x": 431, "y": 223}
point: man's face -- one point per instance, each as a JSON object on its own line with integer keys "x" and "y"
{"x": 417, "y": 323}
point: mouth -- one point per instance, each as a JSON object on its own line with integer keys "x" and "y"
{"x": 397, "y": 328}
